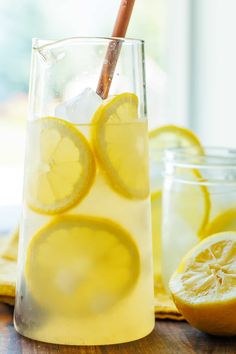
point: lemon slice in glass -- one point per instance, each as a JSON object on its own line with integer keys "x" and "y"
{"x": 120, "y": 144}
{"x": 204, "y": 285}
{"x": 226, "y": 221}
{"x": 81, "y": 265}
{"x": 61, "y": 167}
{"x": 191, "y": 201}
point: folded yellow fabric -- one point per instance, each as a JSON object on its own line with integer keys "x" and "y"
{"x": 9, "y": 248}
{"x": 8, "y": 265}
{"x": 164, "y": 306}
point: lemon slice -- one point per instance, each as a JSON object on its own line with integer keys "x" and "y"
{"x": 81, "y": 265}
{"x": 204, "y": 285}
{"x": 166, "y": 137}
{"x": 120, "y": 144}
{"x": 192, "y": 201}
{"x": 61, "y": 166}
{"x": 225, "y": 221}
{"x": 172, "y": 136}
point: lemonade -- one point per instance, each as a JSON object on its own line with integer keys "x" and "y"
{"x": 161, "y": 139}
{"x": 198, "y": 201}
{"x": 85, "y": 270}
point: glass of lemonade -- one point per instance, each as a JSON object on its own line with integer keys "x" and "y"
{"x": 85, "y": 258}
{"x": 160, "y": 139}
{"x": 199, "y": 199}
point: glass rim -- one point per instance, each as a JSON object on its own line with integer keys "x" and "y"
{"x": 209, "y": 157}
{"x": 38, "y": 43}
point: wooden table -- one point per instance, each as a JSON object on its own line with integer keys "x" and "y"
{"x": 167, "y": 338}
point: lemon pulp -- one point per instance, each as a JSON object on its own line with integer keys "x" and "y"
{"x": 204, "y": 285}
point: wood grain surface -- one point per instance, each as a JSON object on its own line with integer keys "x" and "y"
{"x": 169, "y": 337}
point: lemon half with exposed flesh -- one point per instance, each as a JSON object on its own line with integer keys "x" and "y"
{"x": 81, "y": 265}
{"x": 120, "y": 144}
{"x": 204, "y": 285}
{"x": 61, "y": 166}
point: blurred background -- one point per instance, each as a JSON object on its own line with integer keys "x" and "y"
{"x": 190, "y": 66}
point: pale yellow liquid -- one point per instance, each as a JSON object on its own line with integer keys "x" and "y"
{"x": 132, "y": 317}
{"x": 183, "y": 208}
{"x": 156, "y": 180}
{"x": 156, "y": 206}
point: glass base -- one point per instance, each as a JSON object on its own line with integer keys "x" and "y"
{"x": 75, "y": 338}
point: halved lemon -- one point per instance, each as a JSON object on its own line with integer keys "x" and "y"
{"x": 226, "y": 221}
{"x": 204, "y": 285}
{"x": 81, "y": 265}
{"x": 121, "y": 146}
{"x": 61, "y": 166}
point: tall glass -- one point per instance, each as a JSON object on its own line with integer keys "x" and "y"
{"x": 199, "y": 199}
{"x": 85, "y": 257}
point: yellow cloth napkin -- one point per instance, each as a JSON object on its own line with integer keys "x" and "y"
{"x": 164, "y": 306}
{"x": 8, "y": 258}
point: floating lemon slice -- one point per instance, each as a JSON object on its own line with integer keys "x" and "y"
{"x": 204, "y": 285}
{"x": 81, "y": 265}
{"x": 61, "y": 168}
{"x": 225, "y": 221}
{"x": 120, "y": 144}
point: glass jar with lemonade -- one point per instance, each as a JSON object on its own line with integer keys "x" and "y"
{"x": 199, "y": 200}
{"x": 161, "y": 139}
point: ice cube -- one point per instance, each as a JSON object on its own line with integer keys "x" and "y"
{"x": 81, "y": 108}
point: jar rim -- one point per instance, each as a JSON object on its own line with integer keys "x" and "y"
{"x": 205, "y": 158}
